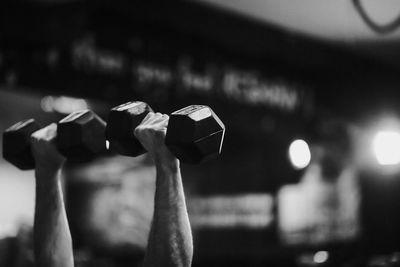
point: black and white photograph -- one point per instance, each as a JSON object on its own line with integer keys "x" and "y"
{"x": 199, "y": 133}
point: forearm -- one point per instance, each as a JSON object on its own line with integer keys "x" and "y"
{"x": 170, "y": 240}
{"x": 52, "y": 238}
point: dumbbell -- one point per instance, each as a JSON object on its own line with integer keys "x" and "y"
{"x": 80, "y": 138}
{"x": 194, "y": 133}
{"x": 17, "y": 146}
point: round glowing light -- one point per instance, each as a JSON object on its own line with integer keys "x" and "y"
{"x": 299, "y": 154}
{"x": 321, "y": 257}
{"x": 386, "y": 147}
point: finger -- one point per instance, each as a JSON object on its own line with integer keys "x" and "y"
{"x": 161, "y": 119}
{"x": 154, "y": 119}
{"x": 150, "y": 117}
{"x": 147, "y": 117}
{"x": 163, "y": 122}
{"x": 47, "y": 133}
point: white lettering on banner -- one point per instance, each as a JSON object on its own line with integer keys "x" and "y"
{"x": 195, "y": 81}
{"x": 151, "y": 73}
{"x": 87, "y": 57}
{"x": 249, "y": 88}
{"x": 254, "y": 211}
{"x": 191, "y": 80}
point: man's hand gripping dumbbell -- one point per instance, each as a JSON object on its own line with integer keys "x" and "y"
{"x": 192, "y": 135}
{"x": 79, "y": 137}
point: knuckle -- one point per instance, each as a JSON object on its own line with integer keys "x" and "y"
{"x": 52, "y": 127}
{"x": 147, "y": 117}
{"x": 140, "y": 131}
{"x": 36, "y": 135}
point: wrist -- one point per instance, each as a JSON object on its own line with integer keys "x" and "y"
{"x": 51, "y": 166}
{"x": 48, "y": 170}
{"x": 47, "y": 173}
{"x": 168, "y": 164}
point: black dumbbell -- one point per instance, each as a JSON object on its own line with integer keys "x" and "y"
{"x": 80, "y": 137}
{"x": 17, "y": 144}
{"x": 194, "y": 133}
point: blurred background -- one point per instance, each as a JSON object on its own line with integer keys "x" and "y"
{"x": 308, "y": 91}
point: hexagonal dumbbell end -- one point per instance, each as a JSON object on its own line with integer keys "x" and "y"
{"x": 17, "y": 144}
{"x": 195, "y": 134}
{"x": 80, "y": 136}
{"x": 121, "y": 124}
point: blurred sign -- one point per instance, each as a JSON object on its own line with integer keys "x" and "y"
{"x": 88, "y": 68}
{"x": 252, "y": 88}
{"x": 320, "y": 211}
{"x": 89, "y": 58}
{"x": 253, "y": 211}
